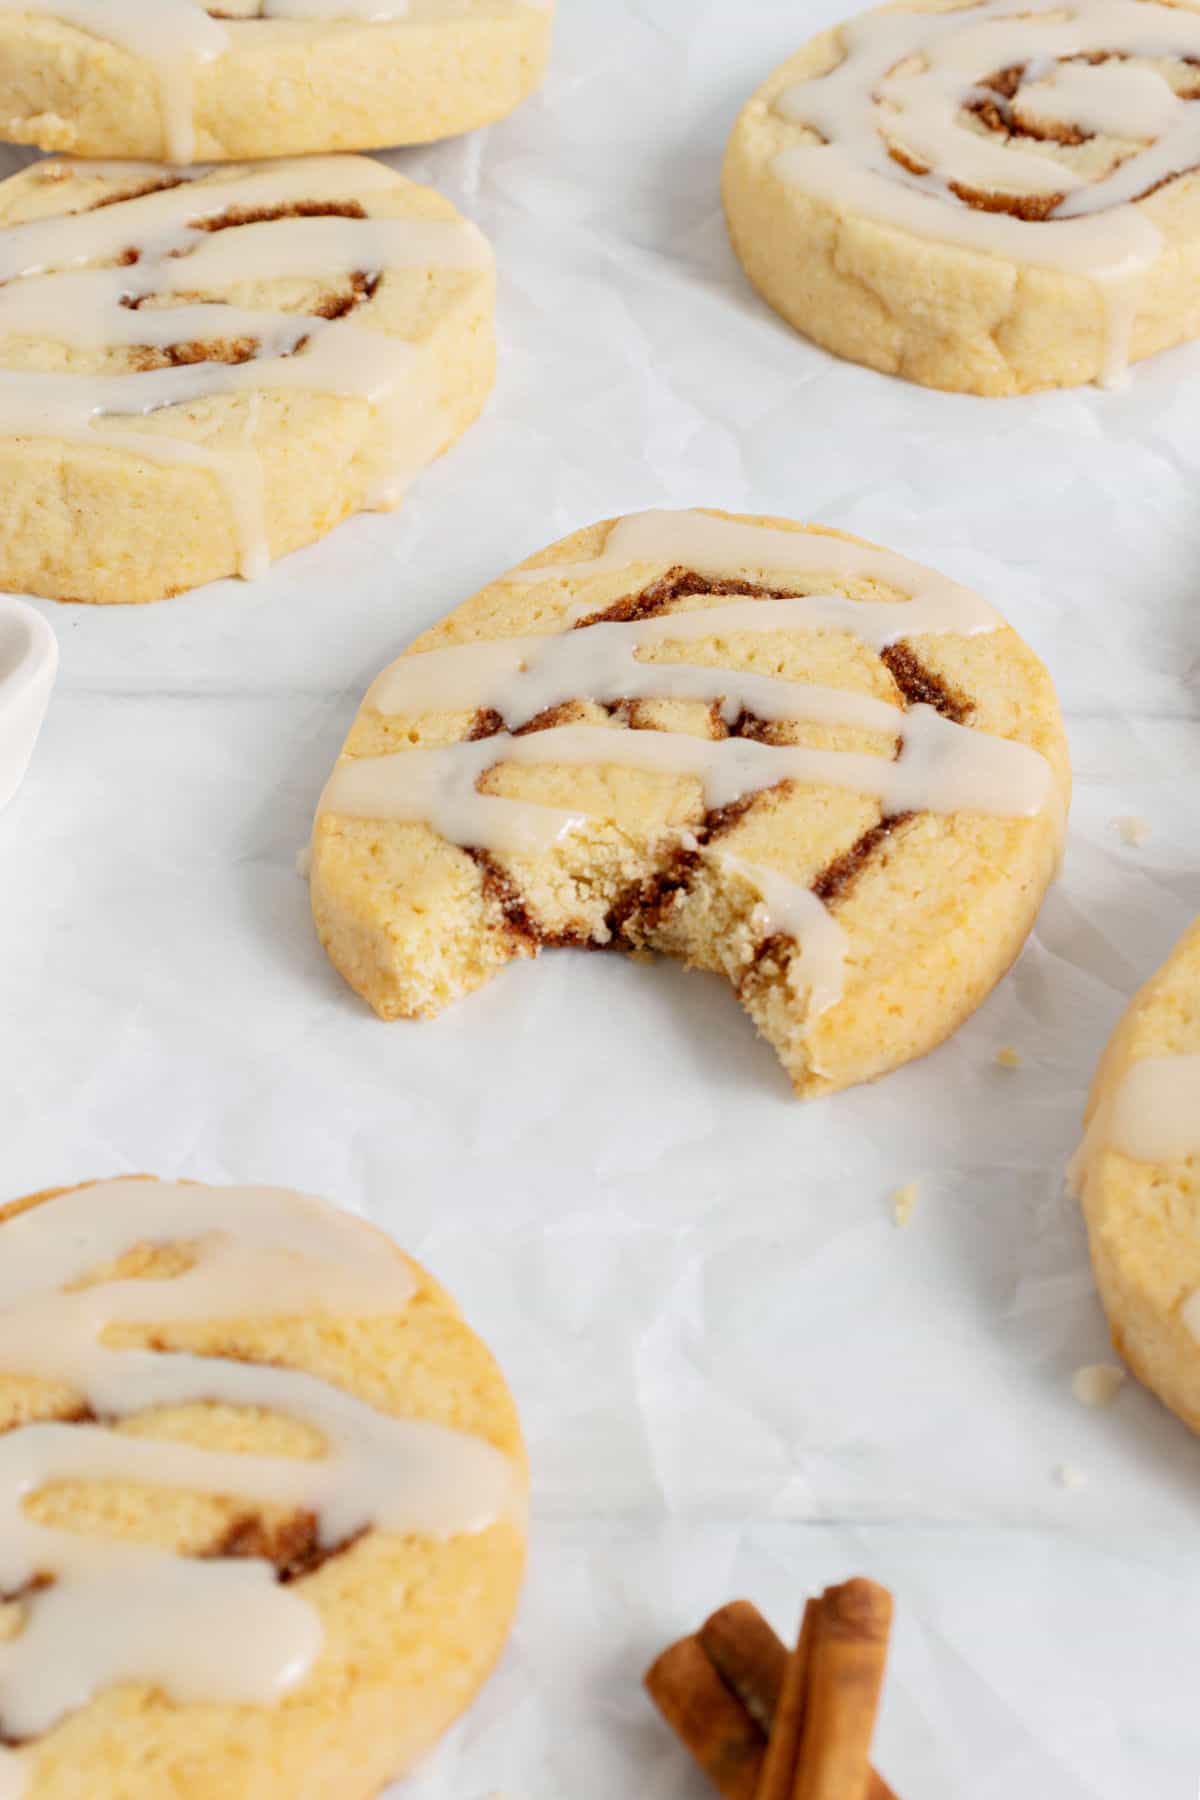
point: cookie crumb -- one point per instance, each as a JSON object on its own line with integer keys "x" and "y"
{"x": 304, "y": 862}
{"x": 904, "y": 1202}
{"x": 1068, "y": 1476}
{"x": 1132, "y": 830}
{"x": 1097, "y": 1384}
{"x": 1008, "y": 1057}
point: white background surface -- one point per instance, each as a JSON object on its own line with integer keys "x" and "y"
{"x": 736, "y": 1375}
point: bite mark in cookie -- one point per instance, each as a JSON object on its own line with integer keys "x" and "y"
{"x": 726, "y": 751}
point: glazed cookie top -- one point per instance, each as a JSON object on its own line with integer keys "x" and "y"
{"x": 1029, "y": 129}
{"x": 668, "y": 670}
{"x": 179, "y": 36}
{"x": 165, "y": 1348}
{"x": 149, "y": 311}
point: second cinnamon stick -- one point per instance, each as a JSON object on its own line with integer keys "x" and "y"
{"x": 783, "y": 1749}
{"x": 845, "y": 1680}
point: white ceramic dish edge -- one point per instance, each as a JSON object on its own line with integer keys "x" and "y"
{"x": 28, "y": 666}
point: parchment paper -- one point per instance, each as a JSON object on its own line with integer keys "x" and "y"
{"x": 735, "y": 1373}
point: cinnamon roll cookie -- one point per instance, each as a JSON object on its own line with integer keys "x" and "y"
{"x": 187, "y": 81}
{"x": 1137, "y": 1175}
{"x": 198, "y": 374}
{"x": 777, "y": 752}
{"x": 261, "y": 1499}
{"x": 993, "y": 197}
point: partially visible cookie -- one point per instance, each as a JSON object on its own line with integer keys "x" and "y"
{"x": 1137, "y": 1174}
{"x": 992, "y": 198}
{"x": 261, "y": 1499}
{"x": 186, "y": 81}
{"x": 201, "y": 373}
{"x": 777, "y": 752}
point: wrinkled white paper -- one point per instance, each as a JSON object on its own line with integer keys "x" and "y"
{"x": 736, "y": 1375}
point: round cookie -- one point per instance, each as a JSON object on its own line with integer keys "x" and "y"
{"x": 993, "y": 198}
{"x": 1137, "y": 1175}
{"x": 201, "y": 373}
{"x": 261, "y": 1499}
{"x": 185, "y": 81}
{"x": 779, "y": 753}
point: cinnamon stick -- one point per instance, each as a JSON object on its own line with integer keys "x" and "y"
{"x": 713, "y": 1723}
{"x": 783, "y": 1749}
{"x": 751, "y": 1660}
{"x": 845, "y": 1680}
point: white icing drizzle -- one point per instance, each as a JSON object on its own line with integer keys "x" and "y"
{"x": 904, "y": 81}
{"x": 201, "y": 1630}
{"x": 371, "y": 10}
{"x": 521, "y": 677}
{"x": 51, "y": 292}
{"x": 1156, "y": 1111}
{"x": 179, "y": 37}
{"x": 940, "y": 766}
{"x": 731, "y": 549}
